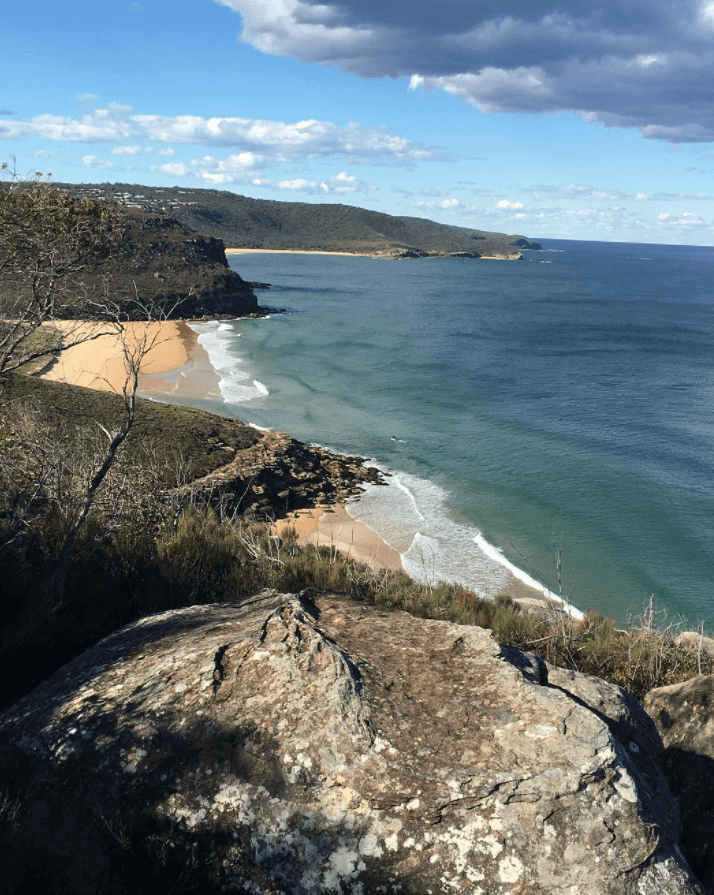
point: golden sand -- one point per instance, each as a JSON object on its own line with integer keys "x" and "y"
{"x": 292, "y": 252}
{"x": 334, "y": 527}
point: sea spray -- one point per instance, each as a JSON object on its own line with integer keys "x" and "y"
{"x": 412, "y": 515}
{"x": 237, "y": 385}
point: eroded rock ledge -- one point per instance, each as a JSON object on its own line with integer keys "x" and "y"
{"x": 313, "y": 743}
{"x": 278, "y": 474}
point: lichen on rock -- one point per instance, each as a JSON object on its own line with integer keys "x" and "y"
{"x": 314, "y": 743}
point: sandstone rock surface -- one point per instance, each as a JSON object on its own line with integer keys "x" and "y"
{"x": 313, "y": 743}
{"x": 684, "y": 715}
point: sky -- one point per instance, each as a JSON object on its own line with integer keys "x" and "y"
{"x": 565, "y": 119}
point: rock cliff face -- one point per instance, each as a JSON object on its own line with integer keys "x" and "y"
{"x": 162, "y": 260}
{"x": 314, "y": 744}
{"x": 684, "y": 715}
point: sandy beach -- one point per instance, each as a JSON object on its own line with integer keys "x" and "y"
{"x": 174, "y": 363}
{"x": 293, "y": 252}
{"x": 176, "y": 366}
{"x": 334, "y": 527}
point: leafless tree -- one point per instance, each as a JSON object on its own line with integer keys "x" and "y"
{"x": 135, "y": 344}
{"x": 47, "y": 240}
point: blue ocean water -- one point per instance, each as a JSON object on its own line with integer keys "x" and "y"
{"x": 564, "y": 399}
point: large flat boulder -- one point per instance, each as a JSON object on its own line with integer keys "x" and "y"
{"x": 313, "y": 743}
{"x": 684, "y": 715}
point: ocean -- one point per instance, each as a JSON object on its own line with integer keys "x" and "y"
{"x": 560, "y": 404}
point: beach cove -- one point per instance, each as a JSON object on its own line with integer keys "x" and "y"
{"x": 553, "y": 407}
{"x": 521, "y": 446}
{"x": 177, "y": 368}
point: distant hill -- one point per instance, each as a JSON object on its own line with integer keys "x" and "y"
{"x": 242, "y": 222}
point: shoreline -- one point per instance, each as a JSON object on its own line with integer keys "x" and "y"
{"x": 178, "y": 367}
{"x": 297, "y": 252}
{"x": 388, "y": 254}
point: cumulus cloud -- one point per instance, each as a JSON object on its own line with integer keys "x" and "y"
{"x": 91, "y": 161}
{"x": 685, "y": 220}
{"x": 174, "y": 169}
{"x": 246, "y": 167}
{"x": 286, "y": 141}
{"x": 340, "y": 183}
{"x": 626, "y": 63}
{"x": 126, "y": 150}
{"x": 232, "y": 169}
{"x": 506, "y": 203}
{"x": 142, "y": 150}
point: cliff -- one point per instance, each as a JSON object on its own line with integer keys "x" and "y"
{"x": 161, "y": 260}
{"x": 313, "y": 743}
{"x": 141, "y": 260}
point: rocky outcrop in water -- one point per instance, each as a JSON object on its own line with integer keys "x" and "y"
{"x": 313, "y": 743}
{"x": 684, "y": 715}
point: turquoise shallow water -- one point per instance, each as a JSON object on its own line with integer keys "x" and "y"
{"x": 566, "y": 398}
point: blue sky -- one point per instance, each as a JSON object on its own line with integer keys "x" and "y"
{"x": 562, "y": 120}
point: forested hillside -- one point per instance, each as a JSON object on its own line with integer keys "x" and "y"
{"x": 242, "y": 222}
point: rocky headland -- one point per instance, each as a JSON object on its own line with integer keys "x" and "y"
{"x": 155, "y": 262}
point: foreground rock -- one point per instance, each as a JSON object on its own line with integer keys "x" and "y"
{"x": 314, "y": 744}
{"x": 684, "y": 715}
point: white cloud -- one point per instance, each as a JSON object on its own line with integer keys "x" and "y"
{"x": 685, "y": 220}
{"x": 286, "y": 141}
{"x": 340, "y": 183}
{"x": 299, "y": 184}
{"x": 506, "y": 203}
{"x": 232, "y": 169}
{"x": 43, "y": 153}
{"x": 126, "y": 150}
{"x": 706, "y": 13}
{"x": 588, "y": 191}
{"x": 91, "y": 161}
{"x": 647, "y": 64}
{"x": 450, "y": 203}
{"x": 174, "y": 169}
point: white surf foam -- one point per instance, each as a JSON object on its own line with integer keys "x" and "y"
{"x": 237, "y": 385}
{"x": 412, "y": 515}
